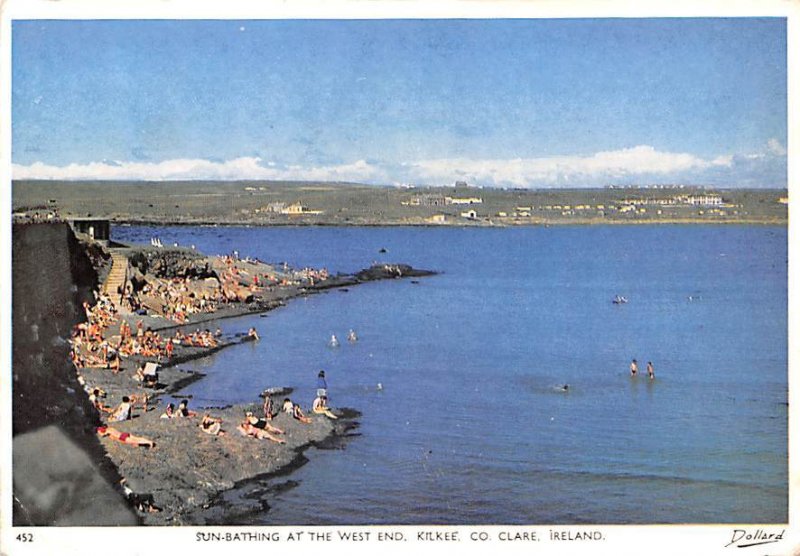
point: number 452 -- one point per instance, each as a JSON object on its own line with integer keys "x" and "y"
{"x": 25, "y": 537}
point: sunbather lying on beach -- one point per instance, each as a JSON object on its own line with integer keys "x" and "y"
{"x": 125, "y": 437}
{"x": 261, "y": 423}
{"x": 321, "y": 406}
{"x": 211, "y": 425}
{"x": 247, "y": 429}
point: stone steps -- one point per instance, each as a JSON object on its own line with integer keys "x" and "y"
{"x": 117, "y": 276}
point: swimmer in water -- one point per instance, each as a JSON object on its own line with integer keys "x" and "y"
{"x": 650, "y": 372}
{"x": 634, "y": 367}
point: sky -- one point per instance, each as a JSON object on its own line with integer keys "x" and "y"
{"x": 530, "y": 103}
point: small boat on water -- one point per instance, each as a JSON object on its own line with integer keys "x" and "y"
{"x": 619, "y": 300}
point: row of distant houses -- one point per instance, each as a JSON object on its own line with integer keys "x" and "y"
{"x": 437, "y": 200}
{"x": 705, "y": 200}
{"x": 711, "y": 202}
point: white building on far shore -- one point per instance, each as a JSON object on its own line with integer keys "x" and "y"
{"x": 463, "y": 200}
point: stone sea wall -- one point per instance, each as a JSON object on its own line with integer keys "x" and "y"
{"x": 59, "y": 466}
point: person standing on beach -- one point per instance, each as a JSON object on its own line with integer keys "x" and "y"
{"x": 322, "y": 385}
{"x": 650, "y": 372}
{"x": 634, "y": 367}
{"x": 268, "y": 411}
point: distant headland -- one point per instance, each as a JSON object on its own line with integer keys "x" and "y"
{"x": 263, "y": 203}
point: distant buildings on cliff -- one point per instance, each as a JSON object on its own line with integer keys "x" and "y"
{"x": 437, "y": 200}
{"x": 288, "y": 209}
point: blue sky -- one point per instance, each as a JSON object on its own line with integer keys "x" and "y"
{"x": 525, "y": 103}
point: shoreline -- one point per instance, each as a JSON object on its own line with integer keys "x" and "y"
{"x": 456, "y": 224}
{"x": 189, "y": 472}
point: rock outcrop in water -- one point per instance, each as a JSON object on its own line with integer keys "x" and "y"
{"x": 171, "y": 263}
{"x": 386, "y": 271}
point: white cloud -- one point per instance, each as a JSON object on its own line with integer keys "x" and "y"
{"x": 244, "y": 168}
{"x": 775, "y": 147}
{"x": 526, "y": 172}
{"x": 640, "y": 164}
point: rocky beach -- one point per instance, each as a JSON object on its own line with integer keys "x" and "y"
{"x": 156, "y": 313}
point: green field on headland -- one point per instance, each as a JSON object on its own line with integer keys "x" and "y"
{"x": 302, "y": 203}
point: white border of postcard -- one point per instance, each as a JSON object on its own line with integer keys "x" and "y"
{"x": 646, "y": 539}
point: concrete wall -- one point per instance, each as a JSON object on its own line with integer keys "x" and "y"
{"x": 51, "y": 277}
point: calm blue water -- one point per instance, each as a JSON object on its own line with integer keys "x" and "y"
{"x": 469, "y": 427}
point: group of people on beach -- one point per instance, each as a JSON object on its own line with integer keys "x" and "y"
{"x": 312, "y": 276}
{"x": 178, "y": 298}
{"x": 107, "y": 338}
{"x": 199, "y": 338}
{"x": 262, "y": 427}
{"x": 90, "y": 348}
{"x": 236, "y": 279}
{"x": 650, "y": 370}
{"x": 208, "y": 424}
{"x": 93, "y": 347}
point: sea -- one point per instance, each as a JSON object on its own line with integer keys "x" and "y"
{"x": 459, "y": 377}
